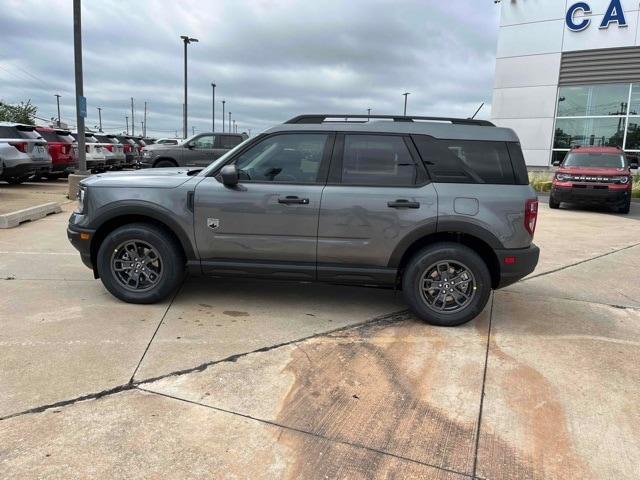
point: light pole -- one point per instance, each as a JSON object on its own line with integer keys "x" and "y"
{"x": 126, "y": 119}
{"x": 58, "y": 102}
{"x": 223, "y": 102}
{"x": 133, "y": 128}
{"x": 234, "y": 127}
{"x": 368, "y": 113}
{"x": 213, "y": 107}
{"x": 100, "y": 118}
{"x": 230, "y": 123}
{"x": 187, "y": 40}
{"x": 77, "y": 50}
{"x": 406, "y": 94}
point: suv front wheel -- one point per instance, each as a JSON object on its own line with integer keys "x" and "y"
{"x": 446, "y": 284}
{"x": 140, "y": 263}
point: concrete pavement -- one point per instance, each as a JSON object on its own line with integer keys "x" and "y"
{"x": 254, "y": 380}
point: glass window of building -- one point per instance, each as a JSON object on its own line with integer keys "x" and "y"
{"x": 593, "y": 100}
{"x": 595, "y": 132}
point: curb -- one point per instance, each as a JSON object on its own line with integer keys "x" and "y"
{"x": 13, "y": 219}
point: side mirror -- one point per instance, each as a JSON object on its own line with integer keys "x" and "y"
{"x": 229, "y": 175}
{"x": 556, "y": 163}
{"x": 190, "y": 146}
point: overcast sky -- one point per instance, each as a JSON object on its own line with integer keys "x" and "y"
{"x": 270, "y": 59}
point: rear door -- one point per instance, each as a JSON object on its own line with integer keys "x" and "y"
{"x": 377, "y": 198}
{"x": 267, "y": 225}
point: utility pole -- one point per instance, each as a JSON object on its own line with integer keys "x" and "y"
{"x": 213, "y": 108}
{"x": 100, "y": 118}
{"x": 144, "y": 123}
{"x": 187, "y": 40}
{"x": 230, "y": 123}
{"x": 58, "y": 102}
{"x": 133, "y": 128}
{"x": 126, "y": 118}
{"x": 223, "y": 101}
{"x": 80, "y": 102}
{"x": 406, "y": 94}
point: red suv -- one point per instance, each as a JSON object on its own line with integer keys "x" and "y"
{"x": 594, "y": 176}
{"x": 61, "y": 149}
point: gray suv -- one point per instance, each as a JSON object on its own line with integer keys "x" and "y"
{"x": 438, "y": 207}
{"x": 197, "y": 151}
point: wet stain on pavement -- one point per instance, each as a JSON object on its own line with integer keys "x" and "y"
{"x": 235, "y": 313}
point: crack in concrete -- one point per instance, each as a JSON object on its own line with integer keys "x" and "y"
{"x": 383, "y": 319}
{"x": 559, "y": 269}
{"x": 569, "y": 299}
{"x": 305, "y": 432}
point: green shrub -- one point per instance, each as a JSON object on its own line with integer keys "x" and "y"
{"x": 541, "y": 181}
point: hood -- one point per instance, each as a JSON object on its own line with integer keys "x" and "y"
{"x": 593, "y": 170}
{"x": 146, "y": 178}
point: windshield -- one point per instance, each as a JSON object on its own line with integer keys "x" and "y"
{"x": 603, "y": 160}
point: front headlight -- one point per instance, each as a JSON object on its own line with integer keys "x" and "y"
{"x": 82, "y": 192}
{"x": 621, "y": 179}
{"x": 563, "y": 177}
{"x": 147, "y": 153}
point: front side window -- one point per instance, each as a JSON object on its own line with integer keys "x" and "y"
{"x": 377, "y": 160}
{"x": 203, "y": 143}
{"x": 287, "y": 158}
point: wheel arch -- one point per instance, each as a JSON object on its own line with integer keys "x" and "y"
{"x": 168, "y": 159}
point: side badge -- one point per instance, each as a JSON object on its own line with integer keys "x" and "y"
{"x": 213, "y": 223}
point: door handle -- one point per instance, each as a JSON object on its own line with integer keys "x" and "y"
{"x": 403, "y": 203}
{"x": 291, "y": 199}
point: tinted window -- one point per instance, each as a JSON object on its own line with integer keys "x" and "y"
{"x": 377, "y": 160}
{"x": 229, "y": 141}
{"x": 289, "y": 158}
{"x": 466, "y": 161}
{"x": 517, "y": 162}
{"x": 49, "y": 136}
{"x": 9, "y": 132}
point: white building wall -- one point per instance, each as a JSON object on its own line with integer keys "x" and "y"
{"x": 531, "y": 40}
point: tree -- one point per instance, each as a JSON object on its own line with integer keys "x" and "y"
{"x": 23, "y": 113}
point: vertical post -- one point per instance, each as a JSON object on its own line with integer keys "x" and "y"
{"x": 100, "y": 118}
{"x": 406, "y": 94}
{"x": 368, "y": 114}
{"x": 144, "y": 128}
{"x": 223, "y": 101}
{"x": 126, "y": 118}
{"x": 230, "y": 123}
{"x": 77, "y": 50}
{"x": 193, "y": 130}
{"x": 213, "y": 108}
{"x": 133, "y": 120}
{"x": 58, "y": 102}
{"x": 184, "y": 120}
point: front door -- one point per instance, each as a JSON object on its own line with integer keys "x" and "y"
{"x": 267, "y": 225}
{"x": 199, "y": 152}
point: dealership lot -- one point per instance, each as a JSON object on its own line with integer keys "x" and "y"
{"x": 255, "y": 380}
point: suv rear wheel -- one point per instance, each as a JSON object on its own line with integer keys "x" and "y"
{"x": 164, "y": 164}
{"x": 140, "y": 263}
{"x": 446, "y": 284}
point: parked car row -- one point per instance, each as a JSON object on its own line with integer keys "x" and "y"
{"x": 27, "y": 151}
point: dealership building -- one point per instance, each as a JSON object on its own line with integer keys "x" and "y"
{"x": 568, "y": 74}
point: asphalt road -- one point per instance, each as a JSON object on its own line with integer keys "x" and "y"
{"x": 261, "y": 380}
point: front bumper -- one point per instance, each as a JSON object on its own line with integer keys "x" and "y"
{"x": 81, "y": 238}
{"x": 591, "y": 195}
{"x": 516, "y": 264}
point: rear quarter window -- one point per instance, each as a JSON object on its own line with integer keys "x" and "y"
{"x": 229, "y": 141}
{"x": 466, "y": 161}
{"x": 50, "y": 136}
{"x": 9, "y": 132}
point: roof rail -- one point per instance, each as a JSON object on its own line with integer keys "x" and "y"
{"x": 338, "y": 118}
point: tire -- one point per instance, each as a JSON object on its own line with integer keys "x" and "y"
{"x": 164, "y": 164}
{"x": 553, "y": 203}
{"x": 16, "y": 180}
{"x": 626, "y": 208}
{"x": 456, "y": 255}
{"x": 161, "y": 277}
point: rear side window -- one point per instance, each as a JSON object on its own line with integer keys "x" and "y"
{"x": 379, "y": 160}
{"x": 518, "y": 164}
{"x": 9, "y": 132}
{"x": 49, "y": 136}
{"x": 465, "y": 161}
{"x": 229, "y": 141}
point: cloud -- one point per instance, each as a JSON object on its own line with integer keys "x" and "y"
{"x": 270, "y": 59}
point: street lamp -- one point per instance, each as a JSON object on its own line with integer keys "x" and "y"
{"x": 406, "y": 94}
{"x": 58, "y": 102}
{"x": 213, "y": 108}
{"x": 99, "y": 118}
{"x": 187, "y": 40}
{"x": 223, "y": 102}
{"x": 230, "y": 123}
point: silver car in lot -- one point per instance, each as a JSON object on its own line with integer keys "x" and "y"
{"x": 96, "y": 160}
{"x": 113, "y": 151}
{"x": 23, "y": 153}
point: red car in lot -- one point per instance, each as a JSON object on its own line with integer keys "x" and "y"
{"x": 594, "y": 176}
{"x": 61, "y": 149}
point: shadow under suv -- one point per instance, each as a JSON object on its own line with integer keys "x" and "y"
{"x": 440, "y": 208}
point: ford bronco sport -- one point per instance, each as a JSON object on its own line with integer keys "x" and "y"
{"x": 438, "y": 207}
{"x": 593, "y": 176}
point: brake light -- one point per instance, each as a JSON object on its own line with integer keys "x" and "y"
{"x": 531, "y": 216}
{"x": 109, "y": 147}
{"x": 126, "y": 148}
{"x": 21, "y": 146}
